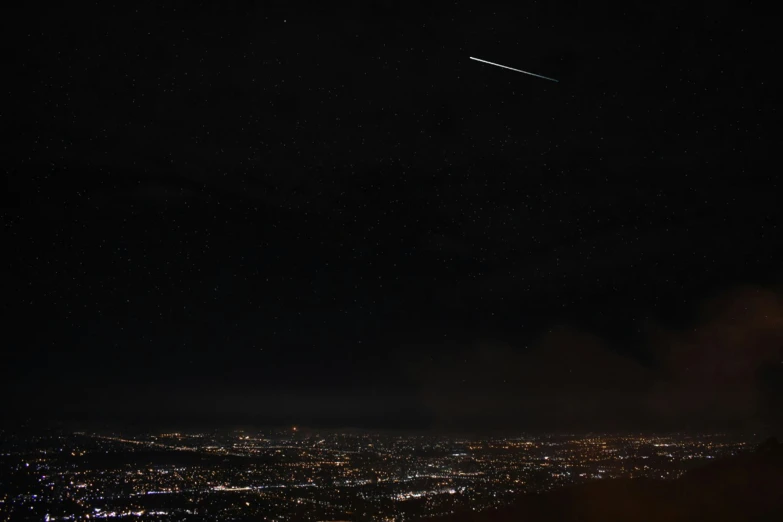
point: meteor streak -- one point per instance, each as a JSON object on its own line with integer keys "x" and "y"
{"x": 517, "y": 70}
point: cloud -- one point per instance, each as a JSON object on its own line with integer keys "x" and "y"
{"x": 566, "y": 379}
{"x": 706, "y": 375}
{"x": 712, "y": 368}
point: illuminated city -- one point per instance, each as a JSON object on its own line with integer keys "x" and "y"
{"x": 317, "y": 475}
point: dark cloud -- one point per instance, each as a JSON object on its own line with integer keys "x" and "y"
{"x": 718, "y": 370}
{"x": 713, "y": 368}
{"x": 567, "y": 379}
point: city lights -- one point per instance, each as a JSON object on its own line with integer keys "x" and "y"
{"x": 284, "y": 475}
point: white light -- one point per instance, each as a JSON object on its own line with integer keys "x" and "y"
{"x": 512, "y": 69}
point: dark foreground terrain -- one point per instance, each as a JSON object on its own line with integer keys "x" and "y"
{"x": 743, "y": 488}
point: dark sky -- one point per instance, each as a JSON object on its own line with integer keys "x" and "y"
{"x": 335, "y": 217}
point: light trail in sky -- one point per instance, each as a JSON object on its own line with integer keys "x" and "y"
{"x": 511, "y": 68}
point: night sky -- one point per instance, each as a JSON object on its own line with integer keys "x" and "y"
{"x": 333, "y": 217}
